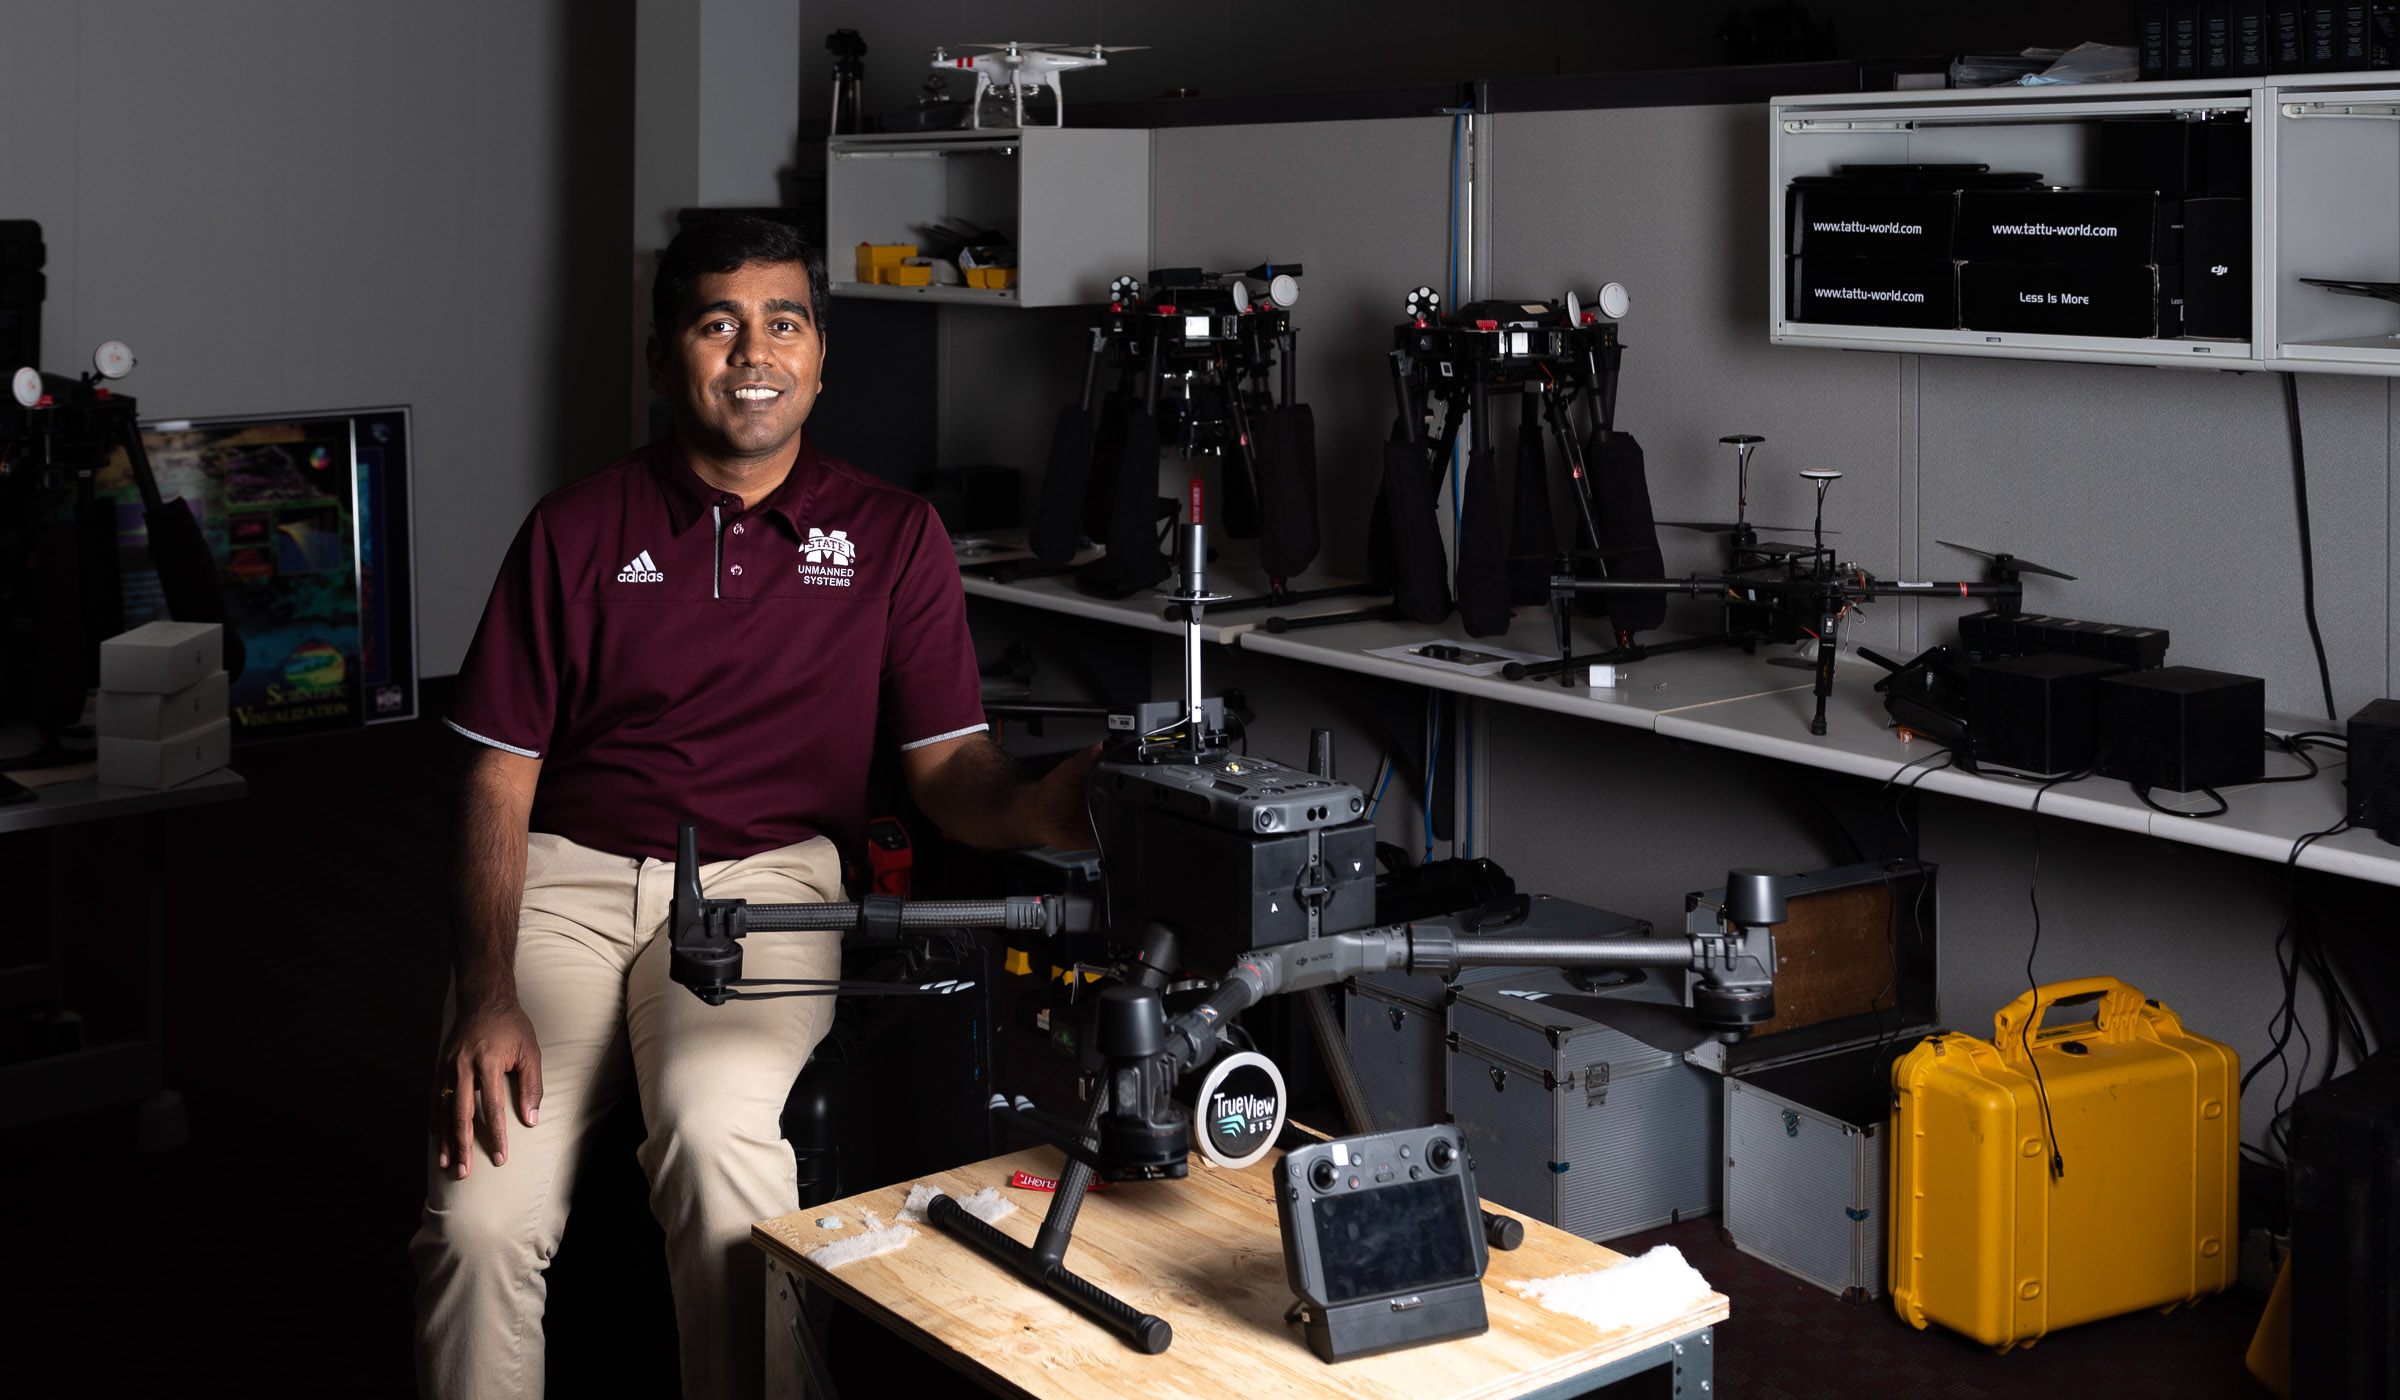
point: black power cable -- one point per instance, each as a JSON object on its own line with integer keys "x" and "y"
{"x": 2296, "y": 949}
{"x": 2033, "y": 896}
{"x": 2308, "y": 553}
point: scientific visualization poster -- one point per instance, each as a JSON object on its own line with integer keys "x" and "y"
{"x": 307, "y": 518}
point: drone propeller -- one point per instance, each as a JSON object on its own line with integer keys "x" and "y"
{"x": 2009, "y": 562}
{"x": 1088, "y": 48}
{"x": 1725, "y": 527}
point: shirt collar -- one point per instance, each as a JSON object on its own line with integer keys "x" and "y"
{"x": 689, "y": 498}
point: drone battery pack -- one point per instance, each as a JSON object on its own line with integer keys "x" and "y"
{"x": 1986, "y": 635}
{"x": 2059, "y": 298}
{"x": 1867, "y": 220}
{"x": 1914, "y": 292}
{"x": 2074, "y": 228}
{"x": 2177, "y": 159}
{"x": 2216, "y": 268}
{"x": 2373, "y": 777}
{"x": 2182, "y": 728}
{"x": 2037, "y": 714}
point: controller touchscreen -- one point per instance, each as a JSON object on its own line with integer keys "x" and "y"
{"x": 1394, "y": 1240}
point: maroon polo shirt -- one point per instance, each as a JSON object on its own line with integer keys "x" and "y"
{"x": 670, "y": 656}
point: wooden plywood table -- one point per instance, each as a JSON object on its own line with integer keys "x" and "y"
{"x": 1204, "y": 1254}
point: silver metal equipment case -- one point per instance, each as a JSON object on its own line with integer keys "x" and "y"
{"x": 1397, "y": 1024}
{"x": 1579, "y": 1108}
{"x": 1808, "y": 1094}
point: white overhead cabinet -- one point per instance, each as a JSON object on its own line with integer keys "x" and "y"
{"x": 1074, "y": 202}
{"x": 2291, "y": 177}
{"x": 2337, "y": 218}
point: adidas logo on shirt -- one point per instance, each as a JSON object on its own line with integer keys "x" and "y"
{"x": 641, "y": 570}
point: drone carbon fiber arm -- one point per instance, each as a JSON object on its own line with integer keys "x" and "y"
{"x": 1736, "y": 966}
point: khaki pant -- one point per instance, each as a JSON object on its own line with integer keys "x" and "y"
{"x": 592, "y": 976}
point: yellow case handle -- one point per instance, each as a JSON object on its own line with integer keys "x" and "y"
{"x": 2120, "y": 1018}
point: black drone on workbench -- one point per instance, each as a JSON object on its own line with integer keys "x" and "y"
{"x": 1777, "y": 593}
{"x": 1203, "y": 363}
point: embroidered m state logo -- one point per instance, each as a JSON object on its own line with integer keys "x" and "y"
{"x": 827, "y": 557}
{"x": 823, "y": 548}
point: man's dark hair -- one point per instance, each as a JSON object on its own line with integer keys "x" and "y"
{"x": 721, "y": 243}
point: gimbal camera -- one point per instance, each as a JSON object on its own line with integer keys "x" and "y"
{"x": 1216, "y": 860}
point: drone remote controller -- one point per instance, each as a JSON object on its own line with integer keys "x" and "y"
{"x": 1383, "y": 1240}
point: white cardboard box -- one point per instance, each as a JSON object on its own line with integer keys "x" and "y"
{"x": 161, "y": 658}
{"x": 137, "y": 714}
{"x": 164, "y": 763}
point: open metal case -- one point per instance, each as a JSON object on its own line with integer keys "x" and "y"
{"x": 1807, "y": 1099}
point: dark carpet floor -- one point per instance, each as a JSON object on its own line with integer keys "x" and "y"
{"x": 305, "y": 968}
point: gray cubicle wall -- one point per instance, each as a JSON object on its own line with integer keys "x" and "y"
{"x": 1364, "y": 208}
{"x": 2167, "y": 492}
{"x": 1669, "y": 201}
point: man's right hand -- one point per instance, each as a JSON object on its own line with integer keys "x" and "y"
{"x": 486, "y": 1045}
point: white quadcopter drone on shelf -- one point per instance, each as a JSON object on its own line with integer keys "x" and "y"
{"x": 1015, "y": 70}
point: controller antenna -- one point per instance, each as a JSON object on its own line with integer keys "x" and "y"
{"x": 1743, "y": 444}
{"x": 1823, "y": 477}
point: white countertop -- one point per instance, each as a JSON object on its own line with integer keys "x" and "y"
{"x": 1723, "y": 698}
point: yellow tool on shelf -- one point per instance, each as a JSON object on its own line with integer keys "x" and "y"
{"x": 873, "y": 258}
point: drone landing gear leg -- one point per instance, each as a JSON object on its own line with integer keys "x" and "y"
{"x": 1829, "y": 621}
{"x": 1042, "y": 1263}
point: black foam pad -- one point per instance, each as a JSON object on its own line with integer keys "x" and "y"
{"x": 1629, "y": 535}
{"x": 1108, "y": 447}
{"x": 1483, "y": 548}
{"x": 1532, "y": 534}
{"x": 1420, "y": 586}
{"x": 1133, "y": 551}
{"x": 1284, "y": 445}
{"x": 1059, "y": 520}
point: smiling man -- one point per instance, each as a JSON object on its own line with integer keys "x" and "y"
{"x": 711, "y": 629}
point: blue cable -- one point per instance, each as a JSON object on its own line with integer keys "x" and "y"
{"x": 1467, "y": 750}
{"x": 1389, "y": 768}
{"x": 1433, "y": 755}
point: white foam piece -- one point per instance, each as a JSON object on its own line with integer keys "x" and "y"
{"x": 987, "y": 1205}
{"x": 829, "y": 1222}
{"x": 1639, "y": 1293}
{"x": 865, "y": 1245}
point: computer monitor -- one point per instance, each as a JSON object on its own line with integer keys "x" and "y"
{"x": 308, "y": 515}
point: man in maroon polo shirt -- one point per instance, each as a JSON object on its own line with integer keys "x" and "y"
{"x": 710, "y": 629}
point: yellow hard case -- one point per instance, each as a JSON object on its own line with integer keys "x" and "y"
{"x": 1985, "y": 1241}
